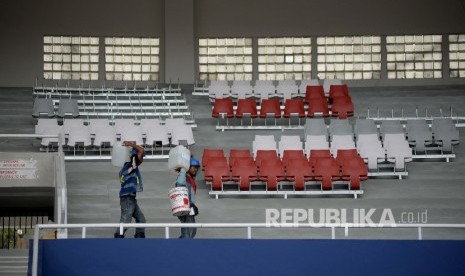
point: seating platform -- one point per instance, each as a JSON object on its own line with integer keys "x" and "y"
{"x": 285, "y": 194}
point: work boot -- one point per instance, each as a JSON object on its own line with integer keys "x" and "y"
{"x": 118, "y": 236}
{"x": 139, "y": 236}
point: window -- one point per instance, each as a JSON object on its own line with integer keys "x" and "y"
{"x": 349, "y": 57}
{"x": 132, "y": 59}
{"x": 71, "y": 58}
{"x": 284, "y": 58}
{"x": 457, "y": 56}
{"x": 225, "y": 58}
{"x": 414, "y": 56}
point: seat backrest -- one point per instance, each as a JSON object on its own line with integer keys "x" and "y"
{"x": 304, "y": 83}
{"x": 182, "y": 133}
{"x": 340, "y": 127}
{"x": 171, "y": 123}
{"x": 246, "y": 106}
{"x": 265, "y": 155}
{"x": 314, "y": 92}
{"x": 365, "y": 126}
{"x": 289, "y": 142}
{"x": 223, "y": 106}
{"x": 294, "y": 106}
{"x": 315, "y": 126}
{"x": 328, "y": 82}
{"x": 270, "y": 106}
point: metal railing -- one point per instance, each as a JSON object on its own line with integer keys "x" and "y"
{"x": 247, "y": 226}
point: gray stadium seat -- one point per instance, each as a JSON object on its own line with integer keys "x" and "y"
{"x": 419, "y": 134}
{"x": 43, "y": 106}
{"x": 445, "y": 133}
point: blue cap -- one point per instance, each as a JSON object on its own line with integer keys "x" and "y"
{"x": 195, "y": 162}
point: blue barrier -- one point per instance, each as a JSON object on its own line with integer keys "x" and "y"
{"x": 249, "y": 257}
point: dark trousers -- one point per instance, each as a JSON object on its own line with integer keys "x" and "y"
{"x": 187, "y": 233}
{"x": 130, "y": 209}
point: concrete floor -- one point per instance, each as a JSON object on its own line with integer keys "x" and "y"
{"x": 436, "y": 187}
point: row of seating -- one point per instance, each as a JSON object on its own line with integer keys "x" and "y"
{"x": 417, "y": 132}
{"x": 111, "y": 102}
{"x": 320, "y": 169}
{"x": 224, "y": 108}
{"x": 103, "y": 132}
{"x": 395, "y": 150}
{"x": 264, "y": 89}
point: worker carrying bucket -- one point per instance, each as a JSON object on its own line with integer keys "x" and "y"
{"x": 182, "y": 196}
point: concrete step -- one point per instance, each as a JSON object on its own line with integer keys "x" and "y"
{"x": 13, "y": 262}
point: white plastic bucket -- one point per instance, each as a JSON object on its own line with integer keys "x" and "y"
{"x": 179, "y": 201}
{"x": 180, "y": 157}
{"x": 119, "y": 154}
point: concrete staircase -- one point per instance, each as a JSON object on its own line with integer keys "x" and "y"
{"x": 13, "y": 262}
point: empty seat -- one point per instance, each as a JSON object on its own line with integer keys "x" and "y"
{"x": 289, "y": 155}
{"x": 397, "y": 150}
{"x": 208, "y": 153}
{"x": 338, "y": 91}
{"x": 369, "y": 147}
{"x": 318, "y": 107}
{"x": 214, "y": 161}
{"x": 316, "y": 142}
{"x": 244, "y": 175}
{"x": 326, "y": 170}
{"x": 345, "y": 154}
{"x": 365, "y": 126}
{"x": 246, "y": 107}
{"x": 314, "y": 92}
{"x": 219, "y": 92}
{"x": 287, "y": 90}
{"x": 182, "y": 135}
{"x": 223, "y": 108}
{"x": 238, "y": 153}
{"x": 265, "y": 155}
{"x": 445, "y": 133}
{"x": 342, "y": 108}
{"x": 419, "y": 134}
{"x": 270, "y": 107}
{"x": 341, "y": 142}
{"x": 271, "y": 171}
{"x": 77, "y": 132}
{"x": 68, "y": 107}
{"x": 289, "y": 142}
{"x": 217, "y": 175}
{"x": 154, "y": 134}
{"x": 314, "y": 155}
{"x": 43, "y": 106}
{"x": 241, "y": 89}
{"x": 172, "y": 123}
{"x": 146, "y": 124}
{"x": 294, "y": 107}
{"x": 315, "y": 126}
{"x": 298, "y": 171}
{"x": 103, "y": 132}
{"x": 354, "y": 170}
{"x": 390, "y": 127}
{"x": 49, "y": 127}
{"x": 264, "y": 89}
{"x": 340, "y": 127}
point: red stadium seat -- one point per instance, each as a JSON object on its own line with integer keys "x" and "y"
{"x": 217, "y": 175}
{"x": 223, "y": 107}
{"x": 314, "y": 92}
{"x": 265, "y": 155}
{"x": 246, "y": 107}
{"x": 315, "y": 154}
{"x": 326, "y": 170}
{"x": 242, "y": 161}
{"x": 207, "y": 153}
{"x": 318, "y": 106}
{"x": 214, "y": 161}
{"x": 270, "y": 106}
{"x": 271, "y": 171}
{"x": 298, "y": 171}
{"x": 244, "y": 175}
{"x": 291, "y": 155}
{"x": 294, "y": 106}
{"x": 339, "y": 90}
{"x": 343, "y": 154}
{"x": 354, "y": 170}
{"x": 238, "y": 153}
{"x": 342, "y": 108}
